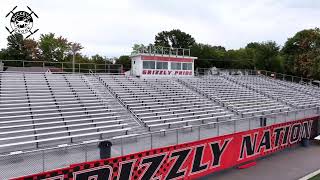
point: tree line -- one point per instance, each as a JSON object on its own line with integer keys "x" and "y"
{"x": 52, "y": 48}
{"x": 300, "y": 55}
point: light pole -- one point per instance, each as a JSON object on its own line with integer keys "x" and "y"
{"x": 75, "y": 47}
{"x": 73, "y": 61}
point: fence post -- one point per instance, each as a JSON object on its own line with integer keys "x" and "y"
{"x": 199, "y": 133}
{"x": 43, "y": 166}
{"x": 286, "y": 115}
{"x": 86, "y": 153}
{"x": 95, "y": 68}
{"x": 121, "y": 146}
{"x": 177, "y": 136}
{"x": 151, "y": 141}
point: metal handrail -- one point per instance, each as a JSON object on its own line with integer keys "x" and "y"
{"x": 63, "y": 64}
{"x": 163, "y": 51}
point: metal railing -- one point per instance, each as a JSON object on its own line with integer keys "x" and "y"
{"x": 42, "y": 66}
{"x": 291, "y": 78}
{"x": 39, "y": 160}
{"x": 275, "y": 75}
{"x": 163, "y": 51}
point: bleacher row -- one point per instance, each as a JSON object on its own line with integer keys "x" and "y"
{"x": 237, "y": 98}
{"x": 160, "y": 103}
{"x": 41, "y": 110}
{"x": 294, "y": 97}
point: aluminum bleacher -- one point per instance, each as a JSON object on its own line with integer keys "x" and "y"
{"x": 304, "y": 88}
{"x": 271, "y": 88}
{"x": 41, "y": 110}
{"x": 165, "y": 103}
{"x": 237, "y": 98}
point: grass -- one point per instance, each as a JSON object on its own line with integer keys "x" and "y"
{"x": 317, "y": 177}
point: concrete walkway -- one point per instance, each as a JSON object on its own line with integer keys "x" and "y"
{"x": 289, "y": 164}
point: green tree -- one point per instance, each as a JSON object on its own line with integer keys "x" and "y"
{"x": 265, "y": 55}
{"x": 15, "y": 49}
{"x": 52, "y": 48}
{"x": 240, "y": 58}
{"x": 302, "y": 53}
{"x": 174, "y": 38}
{"x": 125, "y": 61}
{"x": 97, "y": 59}
{"x": 209, "y": 56}
{"x": 32, "y": 49}
{"x": 19, "y": 48}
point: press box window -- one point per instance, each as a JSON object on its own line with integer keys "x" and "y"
{"x": 187, "y": 66}
{"x": 175, "y": 66}
{"x": 162, "y": 65}
{"x": 149, "y": 65}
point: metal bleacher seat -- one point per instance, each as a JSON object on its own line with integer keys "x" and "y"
{"x": 42, "y": 110}
{"x": 164, "y": 103}
{"x": 239, "y": 99}
{"x": 305, "y": 88}
{"x": 271, "y": 88}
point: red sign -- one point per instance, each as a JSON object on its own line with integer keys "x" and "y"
{"x": 189, "y": 160}
{"x": 166, "y": 72}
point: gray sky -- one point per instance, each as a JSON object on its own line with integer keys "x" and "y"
{"x": 111, "y": 27}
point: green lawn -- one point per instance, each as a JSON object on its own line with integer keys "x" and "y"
{"x": 317, "y": 177}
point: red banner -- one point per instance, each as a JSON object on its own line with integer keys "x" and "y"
{"x": 166, "y": 72}
{"x": 189, "y": 160}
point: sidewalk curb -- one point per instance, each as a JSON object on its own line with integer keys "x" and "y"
{"x": 308, "y": 176}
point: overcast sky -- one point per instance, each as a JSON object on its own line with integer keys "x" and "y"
{"x": 111, "y": 27}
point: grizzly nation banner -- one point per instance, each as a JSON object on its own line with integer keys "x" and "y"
{"x": 189, "y": 160}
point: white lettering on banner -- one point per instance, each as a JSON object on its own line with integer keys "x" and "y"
{"x": 166, "y": 72}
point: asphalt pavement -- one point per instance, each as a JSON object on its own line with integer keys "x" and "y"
{"x": 289, "y": 164}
